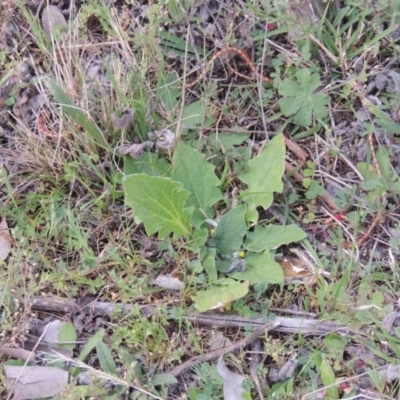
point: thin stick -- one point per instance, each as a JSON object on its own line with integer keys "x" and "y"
{"x": 296, "y": 149}
{"x": 370, "y": 229}
{"x": 212, "y": 355}
{"x": 22, "y": 354}
{"x": 325, "y": 197}
{"x": 255, "y": 360}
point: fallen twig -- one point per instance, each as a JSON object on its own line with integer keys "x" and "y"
{"x": 325, "y": 197}
{"x": 305, "y": 326}
{"x": 296, "y": 149}
{"x": 255, "y": 360}
{"x": 58, "y": 304}
{"x": 17, "y": 352}
{"x": 212, "y": 355}
{"x": 376, "y": 220}
{"x": 369, "y": 231}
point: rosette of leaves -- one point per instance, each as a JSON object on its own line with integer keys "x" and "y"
{"x": 176, "y": 199}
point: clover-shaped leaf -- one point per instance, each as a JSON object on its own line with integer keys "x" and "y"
{"x": 300, "y": 98}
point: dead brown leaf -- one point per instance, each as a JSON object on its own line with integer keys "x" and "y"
{"x": 35, "y": 382}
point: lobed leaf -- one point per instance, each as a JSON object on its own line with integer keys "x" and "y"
{"x": 225, "y": 140}
{"x": 329, "y": 380}
{"x": 67, "y": 333}
{"x": 209, "y": 265}
{"x": 91, "y": 344}
{"x": 301, "y": 99}
{"x": 163, "y": 379}
{"x": 193, "y": 114}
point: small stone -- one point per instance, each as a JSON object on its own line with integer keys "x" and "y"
{"x": 52, "y": 20}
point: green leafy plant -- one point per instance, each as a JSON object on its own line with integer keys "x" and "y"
{"x": 210, "y": 383}
{"x": 302, "y": 100}
{"x": 314, "y": 189}
{"x": 380, "y": 179}
{"x": 193, "y": 115}
{"x": 185, "y": 198}
{"x": 179, "y": 10}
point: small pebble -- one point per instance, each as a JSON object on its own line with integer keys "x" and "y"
{"x": 52, "y": 18}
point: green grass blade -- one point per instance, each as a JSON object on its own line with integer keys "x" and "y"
{"x": 78, "y": 115}
{"x": 106, "y": 358}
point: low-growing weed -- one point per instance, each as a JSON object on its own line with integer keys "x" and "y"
{"x": 181, "y": 202}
